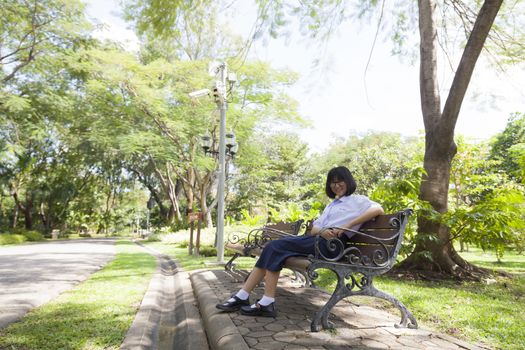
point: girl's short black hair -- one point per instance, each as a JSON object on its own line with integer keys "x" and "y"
{"x": 340, "y": 173}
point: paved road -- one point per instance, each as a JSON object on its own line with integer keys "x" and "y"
{"x": 33, "y": 274}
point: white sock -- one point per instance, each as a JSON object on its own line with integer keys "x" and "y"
{"x": 241, "y": 294}
{"x": 265, "y": 301}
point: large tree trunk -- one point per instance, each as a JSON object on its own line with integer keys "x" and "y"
{"x": 26, "y": 208}
{"x": 434, "y": 250}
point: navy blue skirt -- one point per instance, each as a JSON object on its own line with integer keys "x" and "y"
{"x": 276, "y": 252}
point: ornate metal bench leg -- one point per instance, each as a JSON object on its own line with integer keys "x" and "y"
{"x": 321, "y": 317}
{"x": 308, "y": 282}
{"x": 299, "y": 277}
{"x": 229, "y": 264}
{"x": 405, "y": 314}
{"x": 303, "y": 278}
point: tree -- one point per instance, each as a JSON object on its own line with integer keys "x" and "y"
{"x": 486, "y": 204}
{"x": 435, "y": 253}
{"x": 277, "y": 157}
{"x": 371, "y": 157}
{"x": 31, "y": 30}
{"x": 440, "y": 147}
{"x": 35, "y": 96}
{"x": 506, "y": 146}
{"x": 321, "y": 17}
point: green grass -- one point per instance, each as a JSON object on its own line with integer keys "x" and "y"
{"x": 479, "y": 312}
{"x": 489, "y": 312}
{"x": 96, "y": 314}
{"x": 190, "y": 262}
{"x": 511, "y": 262}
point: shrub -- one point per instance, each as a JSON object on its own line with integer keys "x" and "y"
{"x": 208, "y": 250}
{"x": 184, "y": 244}
{"x": 154, "y": 238}
{"x": 7, "y": 238}
{"x": 228, "y": 252}
{"x": 33, "y": 236}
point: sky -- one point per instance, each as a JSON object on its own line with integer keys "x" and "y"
{"x": 351, "y": 91}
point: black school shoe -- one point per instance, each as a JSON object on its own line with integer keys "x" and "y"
{"x": 230, "y": 306}
{"x": 259, "y": 310}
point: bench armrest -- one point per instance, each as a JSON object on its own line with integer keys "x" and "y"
{"x": 375, "y": 245}
{"x": 257, "y": 238}
{"x": 375, "y": 255}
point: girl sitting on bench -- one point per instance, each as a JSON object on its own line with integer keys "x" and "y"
{"x": 347, "y": 210}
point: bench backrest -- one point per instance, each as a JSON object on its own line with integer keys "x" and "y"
{"x": 376, "y": 245}
{"x": 273, "y": 230}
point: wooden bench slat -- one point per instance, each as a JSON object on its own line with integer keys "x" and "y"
{"x": 381, "y": 221}
{"x": 288, "y": 227}
{"x": 376, "y": 239}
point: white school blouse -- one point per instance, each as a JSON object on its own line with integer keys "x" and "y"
{"x": 342, "y": 210}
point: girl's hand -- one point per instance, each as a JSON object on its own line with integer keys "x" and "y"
{"x": 331, "y": 233}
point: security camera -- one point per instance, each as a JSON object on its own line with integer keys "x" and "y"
{"x": 199, "y": 93}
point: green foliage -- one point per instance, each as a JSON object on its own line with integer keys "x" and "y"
{"x": 8, "y": 238}
{"x": 497, "y": 222}
{"x": 30, "y": 31}
{"x": 371, "y": 158}
{"x": 291, "y": 212}
{"x": 395, "y": 194}
{"x": 154, "y": 238}
{"x": 486, "y": 205}
{"x": 251, "y": 220}
{"x": 517, "y": 154}
{"x": 507, "y": 147}
{"x": 207, "y": 250}
{"x": 183, "y": 244}
{"x": 32, "y": 236}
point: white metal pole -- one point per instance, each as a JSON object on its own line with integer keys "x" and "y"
{"x": 222, "y": 165}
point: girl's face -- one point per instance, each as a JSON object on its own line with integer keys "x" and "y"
{"x": 338, "y": 186}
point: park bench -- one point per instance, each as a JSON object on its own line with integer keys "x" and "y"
{"x": 252, "y": 245}
{"x": 370, "y": 251}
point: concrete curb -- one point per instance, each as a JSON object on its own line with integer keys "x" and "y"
{"x": 222, "y": 333}
{"x": 168, "y": 317}
{"x": 143, "y": 332}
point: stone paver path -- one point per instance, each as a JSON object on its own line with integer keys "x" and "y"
{"x": 356, "y": 327}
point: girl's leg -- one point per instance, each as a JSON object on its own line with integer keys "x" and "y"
{"x": 254, "y": 278}
{"x": 241, "y": 298}
{"x": 270, "y": 286}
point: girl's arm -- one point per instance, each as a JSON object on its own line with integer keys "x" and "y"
{"x": 369, "y": 214}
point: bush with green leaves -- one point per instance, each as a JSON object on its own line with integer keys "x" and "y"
{"x": 154, "y": 238}
{"x": 291, "y": 212}
{"x": 8, "y": 238}
{"x": 32, "y": 236}
{"x": 496, "y": 222}
{"x": 207, "y": 250}
{"x": 395, "y": 194}
{"x": 252, "y": 220}
{"x": 183, "y": 244}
